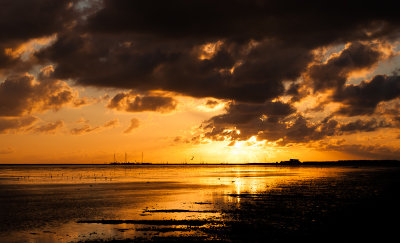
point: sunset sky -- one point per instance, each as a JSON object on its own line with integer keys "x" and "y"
{"x": 215, "y": 81}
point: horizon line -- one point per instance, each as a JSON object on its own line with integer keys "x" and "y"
{"x": 205, "y": 163}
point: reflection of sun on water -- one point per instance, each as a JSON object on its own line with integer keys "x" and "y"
{"x": 143, "y": 192}
{"x": 251, "y": 185}
{"x": 238, "y": 187}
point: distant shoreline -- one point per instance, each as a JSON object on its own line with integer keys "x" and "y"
{"x": 305, "y": 163}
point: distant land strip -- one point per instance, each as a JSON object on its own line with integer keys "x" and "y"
{"x": 319, "y": 163}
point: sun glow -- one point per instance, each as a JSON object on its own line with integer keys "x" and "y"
{"x": 248, "y": 151}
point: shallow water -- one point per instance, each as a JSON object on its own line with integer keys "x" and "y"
{"x": 72, "y": 203}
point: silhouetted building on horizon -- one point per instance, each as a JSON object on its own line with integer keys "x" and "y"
{"x": 291, "y": 162}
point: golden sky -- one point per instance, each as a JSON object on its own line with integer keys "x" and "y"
{"x": 180, "y": 83}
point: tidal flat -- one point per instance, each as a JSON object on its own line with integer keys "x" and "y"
{"x": 181, "y": 203}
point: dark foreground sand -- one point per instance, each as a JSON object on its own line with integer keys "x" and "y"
{"x": 228, "y": 204}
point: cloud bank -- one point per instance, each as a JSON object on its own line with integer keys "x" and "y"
{"x": 264, "y": 57}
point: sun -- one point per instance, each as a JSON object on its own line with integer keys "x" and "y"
{"x": 247, "y": 151}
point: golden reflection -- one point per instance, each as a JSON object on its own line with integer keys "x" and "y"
{"x": 238, "y": 187}
{"x": 163, "y": 193}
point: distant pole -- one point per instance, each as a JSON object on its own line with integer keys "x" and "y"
{"x": 125, "y": 158}
{"x": 142, "y": 157}
{"x": 114, "y": 158}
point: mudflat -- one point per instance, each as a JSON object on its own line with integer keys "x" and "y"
{"x": 228, "y": 203}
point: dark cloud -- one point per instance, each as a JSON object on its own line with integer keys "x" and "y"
{"x": 240, "y": 113}
{"x": 134, "y": 103}
{"x": 245, "y": 51}
{"x": 334, "y": 73}
{"x": 250, "y": 120}
{"x": 22, "y": 94}
{"x": 279, "y": 122}
{"x": 152, "y": 44}
{"x": 302, "y": 130}
{"x": 274, "y": 121}
{"x": 246, "y": 72}
{"x": 311, "y": 21}
{"x": 133, "y": 125}
{"x": 19, "y": 87}
{"x": 21, "y": 21}
{"x": 256, "y": 45}
{"x": 363, "y": 99}
{"x": 16, "y": 124}
{"x": 152, "y": 103}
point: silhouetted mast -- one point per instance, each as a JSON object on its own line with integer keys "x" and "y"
{"x": 114, "y": 158}
{"x": 142, "y": 157}
{"x": 126, "y": 158}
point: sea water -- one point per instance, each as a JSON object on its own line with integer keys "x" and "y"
{"x": 78, "y": 203}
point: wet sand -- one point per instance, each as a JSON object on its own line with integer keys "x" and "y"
{"x": 197, "y": 203}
